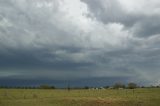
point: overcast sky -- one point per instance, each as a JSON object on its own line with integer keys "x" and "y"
{"x": 78, "y": 39}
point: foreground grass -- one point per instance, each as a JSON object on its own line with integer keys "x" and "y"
{"x": 110, "y": 97}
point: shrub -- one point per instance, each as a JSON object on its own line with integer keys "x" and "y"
{"x": 46, "y": 87}
{"x": 118, "y": 85}
{"x": 132, "y": 85}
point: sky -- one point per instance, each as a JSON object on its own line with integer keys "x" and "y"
{"x": 96, "y": 42}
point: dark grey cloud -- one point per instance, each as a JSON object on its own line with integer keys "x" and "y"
{"x": 79, "y": 39}
{"x": 148, "y": 26}
{"x": 113, "y": 12}
{"x": 108, "y": 11}
{"x": 92, "y": 82}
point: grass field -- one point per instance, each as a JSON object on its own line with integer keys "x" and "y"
{"x": 109, "y": 97}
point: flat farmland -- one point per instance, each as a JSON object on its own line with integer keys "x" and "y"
{"x": 106, "y": 97}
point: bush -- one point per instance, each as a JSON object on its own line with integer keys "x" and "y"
{"x": 46, "y": 87}
{"x": 132, "y": 85}
{"x": 118, "y": 85}
{"x": 86, "y": 87}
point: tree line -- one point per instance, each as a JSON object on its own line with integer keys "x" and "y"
{"x": 29, "y": 87}
{"x": 114, "y": 86}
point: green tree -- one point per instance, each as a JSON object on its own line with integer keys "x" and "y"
{"x": 46, "y": 87}
{"x": 118, "y": 85}
{"x": 86, "y": 87}
{"x": 132, "y": 85}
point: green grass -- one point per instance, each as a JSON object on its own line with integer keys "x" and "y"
{"x": 109, "y": 97}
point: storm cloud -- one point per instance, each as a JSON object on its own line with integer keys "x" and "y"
{"x": 79, "y": 39}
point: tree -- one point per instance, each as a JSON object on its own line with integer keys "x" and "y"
{"x": 86, "y": 87}
{"x": 46, "y": 87}
{"x": 106, "y": 87}
{"x": 53, "y": 87}
{"x": 118, "y": 85}
{"x": 132, "y": 85}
